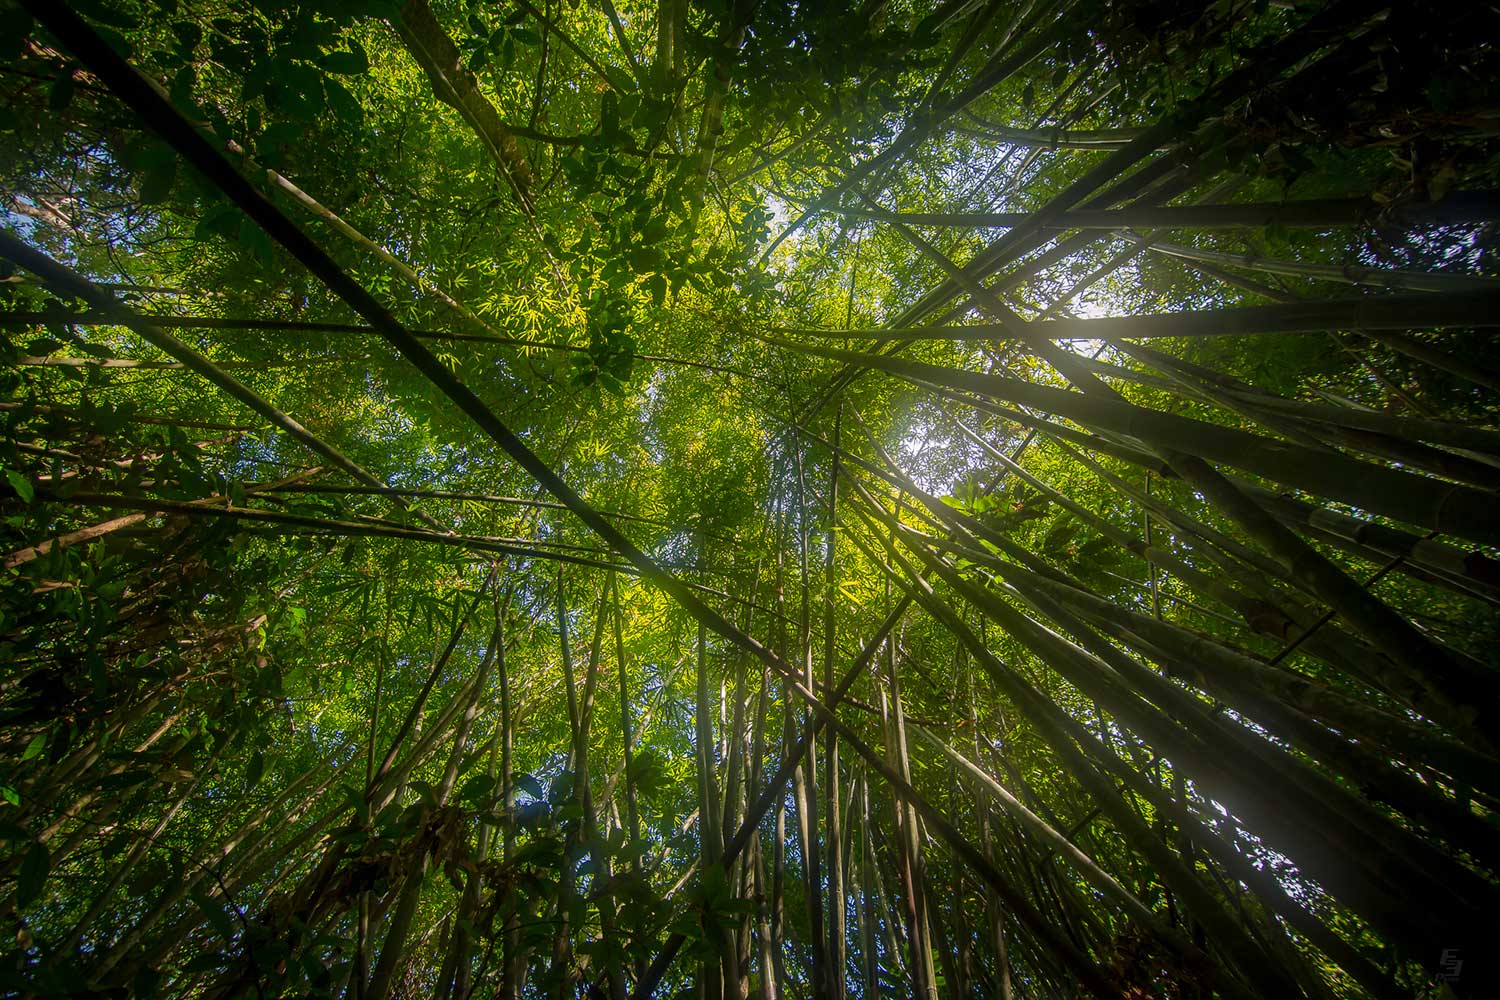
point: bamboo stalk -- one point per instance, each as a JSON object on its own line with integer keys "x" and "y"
{"x": 70, "y": 282}
{"x": 1392, "y": 914}
{"x": 1389, "y": 278}
{"x": 1455, "y": 208}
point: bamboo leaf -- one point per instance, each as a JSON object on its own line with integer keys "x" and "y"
{"x": 36, "y": 865}
{"x": 23, "y": 487}
{"x": 255, "y": 769}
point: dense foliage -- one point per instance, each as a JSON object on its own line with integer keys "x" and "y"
{"x": 748, "y": 499}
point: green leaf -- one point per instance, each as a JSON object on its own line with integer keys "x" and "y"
{"x": 188, "y": 35}
{"x": 476, "y": 788}
{"x": 181, "y": 90}
{"x": 10, "y": 795}
{"x": 530, "y": 785}
{"x": 644, "y": 259}
{"x": 60, "y": 94}
{"x": 156, "y": 182}
{"x": 687, "y": 925}
{"x": 343, "y": 103}
{"x": 32, "y": 877}
{"x": 254, "y": 239}
{"x": 623, "y": 81}
{"x": 255, "y": 770}
{"x": 350, "y": 63}
{"x": 104, "y": 13}
{"x": 213, "y": 911}
{"x": 23, "y": 487}
{"x": 222, "y": 220}
{"x": 35, "y": 747}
